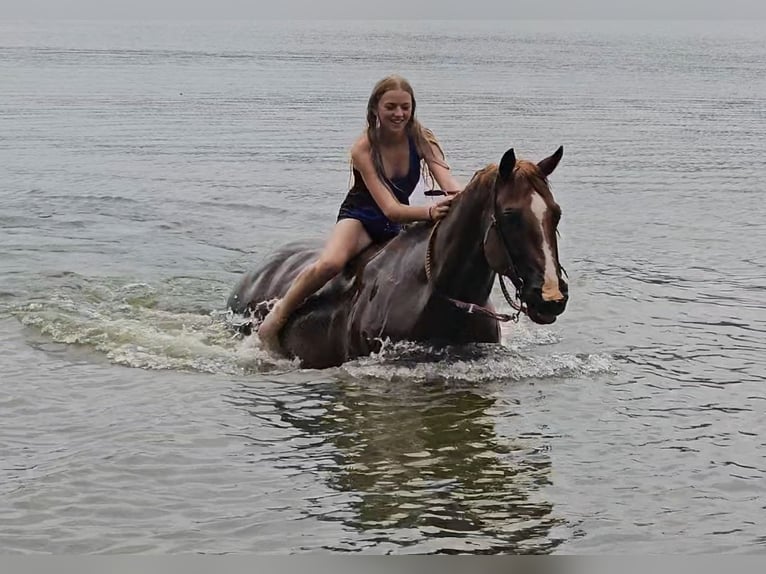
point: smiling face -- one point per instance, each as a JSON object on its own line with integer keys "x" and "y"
{"x": 394, "y": 110}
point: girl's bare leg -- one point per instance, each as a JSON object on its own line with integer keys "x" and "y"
{"x": 348, "y": 238}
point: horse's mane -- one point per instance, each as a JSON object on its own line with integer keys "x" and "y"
{"x": 532, "y": 173}
{"x": 485, "y": 177}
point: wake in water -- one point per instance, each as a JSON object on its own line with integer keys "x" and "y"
{"x": 140, "y": 325}
{"x": 168, "y": 327}
{"x": 519, "y": 356}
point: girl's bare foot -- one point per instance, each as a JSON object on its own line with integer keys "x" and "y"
{"x": 269, "y": 330}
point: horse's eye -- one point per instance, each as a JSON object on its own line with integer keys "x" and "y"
{"x": 511, "y": 218}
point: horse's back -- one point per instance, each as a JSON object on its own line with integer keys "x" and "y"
{"x": 393, "y": 289}
{"x": 377, "y": 291}
{"x": 272, "y": 278}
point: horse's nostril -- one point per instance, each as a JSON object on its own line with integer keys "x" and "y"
{"x": 534, "y": 294}
{"x": 554, "y": 306}
{"x": 551, "y": 294}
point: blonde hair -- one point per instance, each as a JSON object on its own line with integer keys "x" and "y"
{"x": 424, "y": 139}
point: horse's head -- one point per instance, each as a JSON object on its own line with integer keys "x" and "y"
{"x": 520, "y": 241}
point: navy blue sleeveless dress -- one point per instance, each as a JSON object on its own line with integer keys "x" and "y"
{"x": 360, "y": 205}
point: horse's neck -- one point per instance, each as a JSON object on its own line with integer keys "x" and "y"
{"x": 459, "y": 268}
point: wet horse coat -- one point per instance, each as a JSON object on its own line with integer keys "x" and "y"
{"x": 503, "y": 222}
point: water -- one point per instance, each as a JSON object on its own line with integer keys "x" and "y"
{"x": 145, "y": 166}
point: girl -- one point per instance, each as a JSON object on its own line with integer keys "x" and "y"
{"x": 387, "y": 161}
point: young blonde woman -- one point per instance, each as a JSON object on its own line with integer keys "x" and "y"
{"x": 387, "y": 162}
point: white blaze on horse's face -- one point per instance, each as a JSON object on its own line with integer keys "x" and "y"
{"x": 551, "y": 291}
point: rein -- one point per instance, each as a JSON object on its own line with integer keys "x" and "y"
{"x": 473, "y": 307}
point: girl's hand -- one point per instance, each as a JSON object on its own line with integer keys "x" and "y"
{"x": 439, "y": 210}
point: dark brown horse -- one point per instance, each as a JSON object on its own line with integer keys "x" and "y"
{"x": 432, "y": 282}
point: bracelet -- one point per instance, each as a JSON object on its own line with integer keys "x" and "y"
{"x": 430, "y": 217}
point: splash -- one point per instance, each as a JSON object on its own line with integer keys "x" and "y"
{"x": 475, "y": 363}
{"x": 173, "y": 326}
{"x": 145, "y": 326}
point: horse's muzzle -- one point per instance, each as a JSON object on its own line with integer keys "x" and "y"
{"x": 542, "y": 310}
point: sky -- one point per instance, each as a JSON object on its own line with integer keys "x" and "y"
{"x": 382, "y": 9}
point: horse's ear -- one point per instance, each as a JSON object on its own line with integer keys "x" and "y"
{"x": 505, "y": 171}
{"x": 548, "y": 164}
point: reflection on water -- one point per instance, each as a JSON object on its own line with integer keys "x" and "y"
{"x": 422, "y": 465}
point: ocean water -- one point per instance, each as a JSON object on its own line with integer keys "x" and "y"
{"x": 146, "y": 165}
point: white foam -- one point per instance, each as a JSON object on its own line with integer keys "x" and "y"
{"x": 125, "y": 325}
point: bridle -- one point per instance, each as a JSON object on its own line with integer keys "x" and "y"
{"x": 516, "y": 303}
{"x": 514, "y": 276}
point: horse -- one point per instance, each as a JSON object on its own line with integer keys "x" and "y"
{"x": 432, "y": 282}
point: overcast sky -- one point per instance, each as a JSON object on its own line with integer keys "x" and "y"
{"x": 389, "y": 9}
